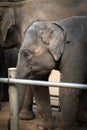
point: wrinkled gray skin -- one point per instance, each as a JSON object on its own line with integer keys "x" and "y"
{"x": 18, "y": 15}
{"x": 8, "y": 58}
{"x": 22, "y": 13}
{"x": 12, "y": 16}
{"x": 60, "y": 45}
{"x": 27, "y": 108}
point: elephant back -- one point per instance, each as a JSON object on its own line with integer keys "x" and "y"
{"x": 75, "y": 28}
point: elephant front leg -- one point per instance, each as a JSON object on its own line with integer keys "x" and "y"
{"x": 42, "y": 98}
{"x": 27, "y": 109}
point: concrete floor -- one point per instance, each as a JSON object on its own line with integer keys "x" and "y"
{"x": 24, "y": 125}
{"x": 27, "y": 125}
{"x": 31, "y": 125}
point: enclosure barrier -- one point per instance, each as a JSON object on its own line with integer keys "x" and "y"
{"x": 13, "y": 96}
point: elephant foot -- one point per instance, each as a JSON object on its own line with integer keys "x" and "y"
{"x": 49, "y": 124}
{"x": 68, "y": 128}
{"x": 82, "y": 118}
{"x": 74, "y": 126}
{"x": 41, "y": 128}
{"x": 44, "y": 128}
{"x": 27, "y": 115}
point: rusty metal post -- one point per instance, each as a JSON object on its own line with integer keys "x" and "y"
{"x": 13, "y": 101}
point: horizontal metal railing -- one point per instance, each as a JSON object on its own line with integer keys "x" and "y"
{"x": 13, "y": 96}
{"x": 44, "y": 83}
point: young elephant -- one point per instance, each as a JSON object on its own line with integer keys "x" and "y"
{"x": 60, "y": 45}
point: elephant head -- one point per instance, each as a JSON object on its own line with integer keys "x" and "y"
{"x": 42, "y": 47}
{"x": 10, "y": 35}
{"x": 6, "y": 20}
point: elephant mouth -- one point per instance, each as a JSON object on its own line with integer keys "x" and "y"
{"x": 37, "y": 75}
{"x": 29, "y": 75}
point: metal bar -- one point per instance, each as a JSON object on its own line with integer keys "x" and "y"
{"x": 13, "y": 102}
{"x": 13, "y": 96}
{"x": 4, "y": 80}
{"x": 44, "y": 83}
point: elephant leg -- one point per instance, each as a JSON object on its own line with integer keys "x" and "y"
{"x": 69, "y": 99}
{"x": 5, "y": 96}
{"x": 0, "y": 95}
{"x": 42, "y": 98}
{"x": 1, "y": 88}
{"x": 0, "y": 105}
{"x": 82, "y": 109}
{"x": 27, "y": 110}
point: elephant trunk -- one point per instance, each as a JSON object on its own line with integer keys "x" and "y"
{"x": 21, "y": 95}
{"x": 7, "y": 21}
{"x": 21, "y": 88}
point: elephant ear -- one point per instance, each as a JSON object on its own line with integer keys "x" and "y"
{"x": 54, "y": 37}
{"x": 7, "y": 21}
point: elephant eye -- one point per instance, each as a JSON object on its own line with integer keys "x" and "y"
{"x": 27, "y": 54}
